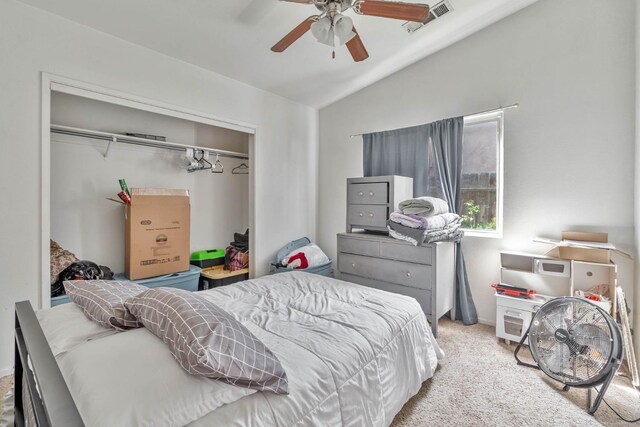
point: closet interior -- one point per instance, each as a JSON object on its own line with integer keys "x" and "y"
{"x": 94, "y": 144}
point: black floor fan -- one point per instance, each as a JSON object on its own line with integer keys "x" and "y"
{"x": 574, "y": 342}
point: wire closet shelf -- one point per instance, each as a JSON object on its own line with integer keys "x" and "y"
{"x": 126, "y": 139}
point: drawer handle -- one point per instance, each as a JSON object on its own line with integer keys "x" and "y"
{"x": 360, "y": 193}
{"x": 371, "y": 193}
{"x": 408, "y": 274}
{"x": 513, "y": 313}
{"x": 361, "y": 214}
{"x": 353, "y": 264}
{"x": 371, "y": 214}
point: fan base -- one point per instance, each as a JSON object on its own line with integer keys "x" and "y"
{"x": 603, "y": 389}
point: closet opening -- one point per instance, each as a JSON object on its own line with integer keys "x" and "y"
{"x": 93, "y": 139}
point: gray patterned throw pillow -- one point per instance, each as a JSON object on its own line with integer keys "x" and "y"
{"x": 103, "y": 301}
{"x": 208, "y": 341}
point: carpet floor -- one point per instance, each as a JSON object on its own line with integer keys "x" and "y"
{"x": 6, "y": 397}
{"x": 479, "y": 384}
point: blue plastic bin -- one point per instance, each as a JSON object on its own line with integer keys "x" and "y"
{"x": 62, "y": 299}
{"x": 187, "y": 280}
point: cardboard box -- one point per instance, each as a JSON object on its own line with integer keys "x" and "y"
{"x": 581, "y": 246}
{"x": 157, "y": 232}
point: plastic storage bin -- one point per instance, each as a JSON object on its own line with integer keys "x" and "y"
{"x": 323, "y": 270}
{"x": 218, "y": 276}
{"x": 207, "y": 258}
{"x": 62, "y": 299}
{"x": 187, "y": 280}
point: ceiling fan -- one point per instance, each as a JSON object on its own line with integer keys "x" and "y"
{"x": 331, "y": 24}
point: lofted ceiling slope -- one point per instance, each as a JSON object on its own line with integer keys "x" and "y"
{"x": 234, "y": 37}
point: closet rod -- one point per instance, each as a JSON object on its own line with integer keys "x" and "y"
{"x": 495, "y": 110}
{"x": 106, "y": 136}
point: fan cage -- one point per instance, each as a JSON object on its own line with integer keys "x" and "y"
{"x": 575, "y": 342}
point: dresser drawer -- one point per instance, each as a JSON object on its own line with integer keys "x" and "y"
{"x": 408, "y": 253}
{"x": 368, "y": 194}
{"x": 402, "y": 273}
{"x": 358, "y": 246}
{"x": 423, "y": 296}
{"x": 367, "y": 215}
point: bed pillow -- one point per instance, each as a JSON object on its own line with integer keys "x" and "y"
{"x": 208, "y": 341}
{"x": 103, "y": 301}
{"x": 66, "y": 327}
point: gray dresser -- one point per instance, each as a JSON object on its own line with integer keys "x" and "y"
{"x": 370, "y": 200}
{"x": 426, "y": 273}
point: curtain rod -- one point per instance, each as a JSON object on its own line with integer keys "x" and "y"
{"x": 495, "y": 110}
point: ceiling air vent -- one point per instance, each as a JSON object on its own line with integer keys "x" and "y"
{"x": 436, "y": 11}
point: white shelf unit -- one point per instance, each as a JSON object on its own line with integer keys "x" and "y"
{"x": 548, "y": 276}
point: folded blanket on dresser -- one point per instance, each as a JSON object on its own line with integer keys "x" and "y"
{"x": 424, "y": 206}
{"x": 419, "y": 237}
{"x": 436, "y": 222}
{"x": 451, "y": 234}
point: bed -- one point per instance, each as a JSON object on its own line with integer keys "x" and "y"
{"x": 353, "y": 356}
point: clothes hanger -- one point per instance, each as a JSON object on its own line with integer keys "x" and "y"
{"x": 217, "y": 166}
{"x": 243, "y": 169}
{"x": 203, "y": 161}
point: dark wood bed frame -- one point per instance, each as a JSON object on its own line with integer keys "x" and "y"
{"x": 47, "y": 391}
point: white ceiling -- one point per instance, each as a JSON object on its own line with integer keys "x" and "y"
{"x": 222, "y": 36}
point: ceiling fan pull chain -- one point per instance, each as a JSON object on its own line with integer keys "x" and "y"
{"x": 333, "y": 54}
{"x": 333, "y": 39}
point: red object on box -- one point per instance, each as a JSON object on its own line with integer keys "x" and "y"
{"x": 512, "y": 291}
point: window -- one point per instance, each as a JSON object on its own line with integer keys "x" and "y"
{"x": 482, "y": 174}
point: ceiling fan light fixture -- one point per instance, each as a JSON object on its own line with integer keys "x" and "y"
{"x": 343, "y": 28}
{"x": 322, "y": 30}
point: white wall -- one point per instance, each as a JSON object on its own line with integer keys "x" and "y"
{"x": 32, "y": 41}
{"x": 636, "y": 325}
{"x": 568, "y": 148}
{"x": 84, "y": 222}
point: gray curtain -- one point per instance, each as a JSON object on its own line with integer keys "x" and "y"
{"x": 432, "y": 155}
{"x": 403, "y": 152}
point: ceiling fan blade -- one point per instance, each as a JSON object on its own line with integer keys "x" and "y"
{"x": 356, "y": 48}
{"x": 393, "y": 9}
{"x": 294, "y": 35}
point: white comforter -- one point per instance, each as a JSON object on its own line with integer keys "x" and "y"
{"x": 353, "y": 355}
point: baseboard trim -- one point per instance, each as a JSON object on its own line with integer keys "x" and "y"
{"x": 6, "y": 371}
{"x": 487, "y": 322}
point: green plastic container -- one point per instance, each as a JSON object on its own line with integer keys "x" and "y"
{"x": 207, "y": 258}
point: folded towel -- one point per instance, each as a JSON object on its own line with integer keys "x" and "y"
{"x": 435, "y": 222}
{"x": 424, "y": 206}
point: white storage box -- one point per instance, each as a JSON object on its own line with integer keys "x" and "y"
{"x": 513, "y": 315}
